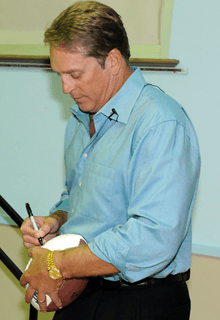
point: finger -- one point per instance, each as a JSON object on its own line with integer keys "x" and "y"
{"x": 23, "y": 280}
{"x": 25, "y": 225}
{"x": 41, "y": 299}
{"x": 30, "y": 252}
{"x": 28, "y": 231}
{"x": 46, "y": 227}
{"x": 29, "y": 294}
{"x": 50, "y": 225}
{"x": 27, "y": 228}
{"x": 55, "y": 297}
{"x": 28, "y": 245}
{"x": 30, "y": 241}
{"x": 36, "y": 251}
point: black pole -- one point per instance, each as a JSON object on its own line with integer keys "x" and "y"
{"x": 33, "y": 314}
{"x": 11, "y": 212}
{"x": 17, "y": 273}
{"x": 10, "y": 264}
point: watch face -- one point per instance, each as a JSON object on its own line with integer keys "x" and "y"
{"x": 55, "y": 274}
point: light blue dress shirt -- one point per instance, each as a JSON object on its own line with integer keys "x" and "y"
{"x": 131, "y": 187}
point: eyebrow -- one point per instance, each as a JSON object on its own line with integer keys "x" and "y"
{"x": 70, "y": 71}
{"x": 74, "y": 70}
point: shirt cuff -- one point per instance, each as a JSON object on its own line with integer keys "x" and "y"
{"x": 61, "y": 205}
{"x": 112, "y": 251}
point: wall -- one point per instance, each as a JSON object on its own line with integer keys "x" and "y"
{"x": 149, "y": 36}
{"x": 32, "y": 123}
{"x": 195, "y": 42}
{"x": 33, "y": 117}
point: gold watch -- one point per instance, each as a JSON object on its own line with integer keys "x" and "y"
{"x": 53, "y": 271}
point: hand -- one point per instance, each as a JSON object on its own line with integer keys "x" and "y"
{"x": 48, "y": 228}
{"x": 39, "y": 280}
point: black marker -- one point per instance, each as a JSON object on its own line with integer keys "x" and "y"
{"x": 31, "y": 216}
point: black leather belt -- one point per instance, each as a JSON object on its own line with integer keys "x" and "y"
{"x": 146, "y": 282}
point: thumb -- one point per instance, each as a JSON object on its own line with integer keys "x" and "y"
{"x": 47, "y": 227}
{"x": 44, "y": 230}
{"x": 30, "y": 252}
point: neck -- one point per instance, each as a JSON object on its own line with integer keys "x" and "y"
{"x": 118, "y": 81}
{"x": 115, "y": 85}
{"x": 123, "y": 77}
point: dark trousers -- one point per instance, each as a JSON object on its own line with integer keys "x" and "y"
{"x": 153, "y": 302}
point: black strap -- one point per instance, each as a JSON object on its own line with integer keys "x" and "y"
{"x": 145, "y": 282}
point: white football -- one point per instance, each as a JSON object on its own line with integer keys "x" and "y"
{"x": 70, "y": 289}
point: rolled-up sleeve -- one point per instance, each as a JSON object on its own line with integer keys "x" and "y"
{"x": 62, "y": 204}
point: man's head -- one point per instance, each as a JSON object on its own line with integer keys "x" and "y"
{"x": 89, "y": 50}
{"x": 90, "y": 85}
{"x": 90, "y": 27}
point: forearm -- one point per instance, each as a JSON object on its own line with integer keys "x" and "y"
{"x": 81, "y": 262}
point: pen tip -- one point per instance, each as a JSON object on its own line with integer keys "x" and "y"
{"x": 27, "y": 207}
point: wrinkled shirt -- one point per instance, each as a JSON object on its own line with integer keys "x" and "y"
{"x": 130, "y": 189}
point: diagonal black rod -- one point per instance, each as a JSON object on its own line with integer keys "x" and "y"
{"x": 10, "y": 264}
{"x": 33, "y": 313}
{"x": 11, "y": 212}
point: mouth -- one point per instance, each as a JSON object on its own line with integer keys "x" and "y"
{"x": 76, "y": 98}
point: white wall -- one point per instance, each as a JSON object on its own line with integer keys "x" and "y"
{"x": 34, "y": 113}
{"x": 32, "y": 127}
{"x": 195, "y": 42}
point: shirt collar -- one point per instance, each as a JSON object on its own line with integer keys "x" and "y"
{"x": 123, "y": 101}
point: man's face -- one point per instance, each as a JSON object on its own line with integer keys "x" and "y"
{"x": 83, "y": 78}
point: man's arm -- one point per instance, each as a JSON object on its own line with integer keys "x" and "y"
{"x": 81, "y": 262}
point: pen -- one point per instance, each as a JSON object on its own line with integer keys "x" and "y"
{"x": 31, "y": 216}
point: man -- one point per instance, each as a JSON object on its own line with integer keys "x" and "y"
{"x": 132, "y": 168}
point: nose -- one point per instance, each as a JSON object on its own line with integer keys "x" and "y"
{"x": 68, "y": 83}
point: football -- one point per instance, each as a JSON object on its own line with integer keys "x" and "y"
{"x": 70, "y": 289}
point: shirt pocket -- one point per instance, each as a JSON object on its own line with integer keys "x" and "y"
{"x": 95, "y": 196}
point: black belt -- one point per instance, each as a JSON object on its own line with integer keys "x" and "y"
{"x": 145, "y": 282}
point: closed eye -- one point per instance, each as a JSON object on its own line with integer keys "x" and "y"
{"x": 75, "y": 75}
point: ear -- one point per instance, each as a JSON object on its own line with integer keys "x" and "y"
{"x": 114, "y": 61}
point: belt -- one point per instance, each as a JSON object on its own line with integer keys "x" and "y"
{"x": 145, "y": 282}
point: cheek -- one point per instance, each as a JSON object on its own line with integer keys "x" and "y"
{"x": 95, "y": 86}
{"x": 93, "y": 90}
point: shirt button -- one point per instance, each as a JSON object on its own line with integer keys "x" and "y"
{"x": 85, "y": 155}
{"x": 80, "y": 184}
{"x": 72, "y": 210}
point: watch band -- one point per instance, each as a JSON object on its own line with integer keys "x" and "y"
{"x": 53, "y": 271}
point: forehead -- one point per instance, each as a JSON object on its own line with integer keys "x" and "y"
{"x": 64, "y": 61}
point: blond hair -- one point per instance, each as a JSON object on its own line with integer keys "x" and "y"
{"x": 91, "y": 25}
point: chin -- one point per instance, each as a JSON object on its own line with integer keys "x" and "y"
{"x": 86, "y": 108}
